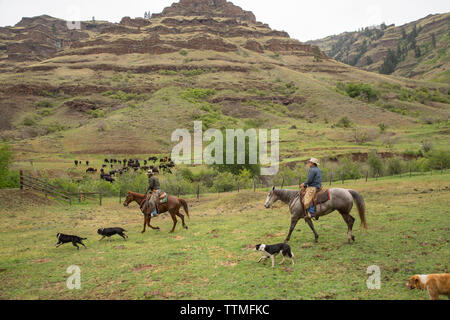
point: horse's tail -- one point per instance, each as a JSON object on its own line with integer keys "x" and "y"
{"x": 185, "y": 206}
{"x": 361, "y": 207}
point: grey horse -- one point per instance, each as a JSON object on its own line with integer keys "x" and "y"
{"x": 341, "y": 200}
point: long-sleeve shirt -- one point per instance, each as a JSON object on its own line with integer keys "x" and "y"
{"x": 314, "y": 178}
{"x": 153, "y": 184}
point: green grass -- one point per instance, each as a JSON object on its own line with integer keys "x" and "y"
{"x": 408, "y": 234}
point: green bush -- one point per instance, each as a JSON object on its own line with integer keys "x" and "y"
{"x": 361, "y": 90}
{"x": 348, "y": 169}
{"x": 394, "y": 166}
{"x": 438, "y": 158}
{"x": 45, "y": 112}
{"x": 29, "y": 122}
{"x": 183, "y": 52}
{"x": 44, "y": 104}
{"x": 375, "y": 164}
{"x": 123, "y": 96}
{"x": 98, "y": 113}
{"x": 8, "y": 179}
{"x": 344, "y": 122}
{"x": 195, "y": 95}
{"x": 225, "y": 182}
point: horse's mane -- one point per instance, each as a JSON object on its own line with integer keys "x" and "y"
{"x": 285, "y": 195}
{"x": 137, "y": 194}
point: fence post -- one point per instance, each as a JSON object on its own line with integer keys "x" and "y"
{"x": 21, "y": 180}
{"x": 254, "y": 185}
{"x": 331, "y": 177}
{"x": 178, "y": 191}
{"x": 367, "y": 175}
{"x": 238, "y": 187}
{"x": 79, "y": 195}
{"x": 120, "y": 196}
{"x": 198, "y": 192}
{"x": 442, "y": 168}
{"x": 100, "y": 199}
{"x": 410, "y": 172}
{"x": 282, "y": 184}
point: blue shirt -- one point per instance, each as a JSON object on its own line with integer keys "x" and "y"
{"x": 314, "y": 178}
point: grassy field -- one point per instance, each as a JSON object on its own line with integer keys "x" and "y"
{"x": 408, "y": 234}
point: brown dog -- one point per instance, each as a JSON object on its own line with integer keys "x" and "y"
{"x": 435, "y": 284}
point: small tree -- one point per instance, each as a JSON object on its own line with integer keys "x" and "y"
{"x": 7, "y": 178}
{"x": 317, "y": 54}
{"x": 375, "y": 163}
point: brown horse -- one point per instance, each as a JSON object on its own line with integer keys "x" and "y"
{"x": 172, "y": 205}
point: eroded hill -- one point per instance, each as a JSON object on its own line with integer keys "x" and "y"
{"x": 123, "y": 88}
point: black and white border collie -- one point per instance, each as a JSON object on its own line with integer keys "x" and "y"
{"x": 272, "y": 250}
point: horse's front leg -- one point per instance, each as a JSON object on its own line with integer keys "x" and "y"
{"x": 294, "y": 220}
{"x": 145, "y": 223}
{"x": 311, "y": 225}
{"x": 150, "y": 225}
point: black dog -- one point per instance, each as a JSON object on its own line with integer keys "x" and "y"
{"x": 109, "y": 232}
{"x": 64, "y": 238}
{"x": 272, "y": 250}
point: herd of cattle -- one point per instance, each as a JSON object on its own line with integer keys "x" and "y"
{"x": 119, "y": 167}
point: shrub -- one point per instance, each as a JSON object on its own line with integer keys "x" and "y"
{"x": 8, "y": 179}
{"x": 195, "y": 95}
{"x": 183, "y": 52}
{"x": 44, "y": 104}
{"x": 348, "y": 169}
{"x": 225, "y": 182}
{"x": 98, "y": 113}
{"x": 375, "y": 164}
{"x": 362, "y": 90}
{"x": 438, "y": 158}
{"x": 394, "y": 166}
{"x": 382, "y": 127}
{"x": 28, "y": 122}
{"x": 123, "y": 96}
{"x": 45, "y": 112}
{"x": 344, "y": 122}
{"x": 427, "y": 146}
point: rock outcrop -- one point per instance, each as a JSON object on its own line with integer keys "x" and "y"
{"x": 210, "y": 8}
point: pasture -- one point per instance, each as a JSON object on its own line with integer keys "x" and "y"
{"x": 408, "y": 233}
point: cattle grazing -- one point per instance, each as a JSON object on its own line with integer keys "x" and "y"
{"x": 87, "y": 162}
{"x": 76, "y": 163}
{"x": 91, "y": 170}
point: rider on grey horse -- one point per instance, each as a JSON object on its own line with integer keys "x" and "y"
{"x": 313, "y": 184}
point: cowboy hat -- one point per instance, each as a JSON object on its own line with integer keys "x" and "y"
{"x": 314, "y": 160}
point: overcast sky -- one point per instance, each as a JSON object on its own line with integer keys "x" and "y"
{"x": 303, "y": 20}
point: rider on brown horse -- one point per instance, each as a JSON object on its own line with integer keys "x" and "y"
{"x": 154, "y": 193}
{"x": 313, "y": 184}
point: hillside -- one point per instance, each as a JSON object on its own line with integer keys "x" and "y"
{"x": 123, "y": 88}
{"x": 421, "y": 48}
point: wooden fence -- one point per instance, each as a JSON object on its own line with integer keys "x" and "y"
{"x": 36, "y": 184}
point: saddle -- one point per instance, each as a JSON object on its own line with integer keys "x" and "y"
{"x": 321, "y": 197}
